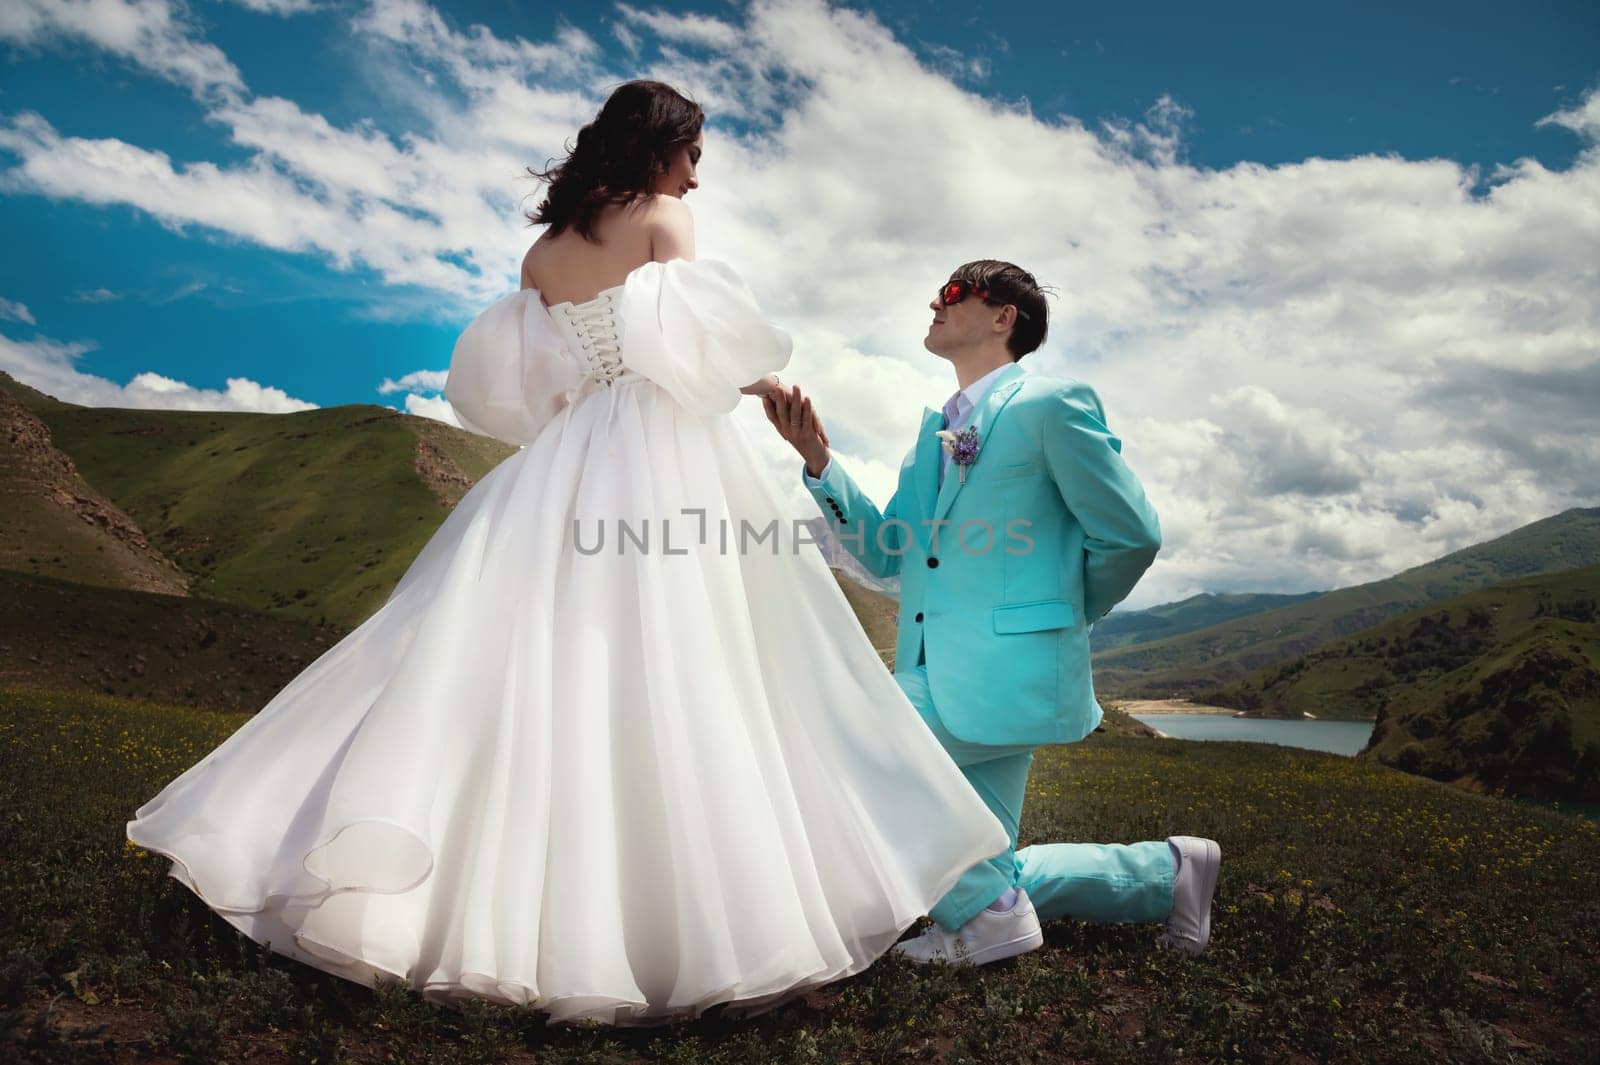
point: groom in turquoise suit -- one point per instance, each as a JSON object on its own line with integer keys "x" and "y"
{"x": 1014, "y": 527}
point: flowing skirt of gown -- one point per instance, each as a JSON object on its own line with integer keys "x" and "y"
{"x": 623, "y": 786}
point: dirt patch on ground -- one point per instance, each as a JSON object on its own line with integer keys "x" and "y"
{"x": 447, "y": 481}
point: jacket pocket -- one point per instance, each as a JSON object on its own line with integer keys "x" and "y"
{"x": 1031, "y": 617}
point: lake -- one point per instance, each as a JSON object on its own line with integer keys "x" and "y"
{"x": 1339, "y": 737}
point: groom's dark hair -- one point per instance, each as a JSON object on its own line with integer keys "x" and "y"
{"x": 1010, "y": 283}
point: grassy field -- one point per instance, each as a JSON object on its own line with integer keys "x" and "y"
{"x": 114, "y": 641}
{"x": 1362, "y": 915}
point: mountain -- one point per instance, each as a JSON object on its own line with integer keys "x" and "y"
{"x": 313, "y": 514}
{"x": 1415, "y": 659}
{"x": 1126, "y": 628}
{"x": 1495, "y": 689}
{"x": 1525, "y": 720}
{"x": 1210, "y": 658}
{"x": 284, "y": 531}
{"x": 54, "y": 522}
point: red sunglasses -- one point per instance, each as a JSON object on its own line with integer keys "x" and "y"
{"x": 954, "y": 292}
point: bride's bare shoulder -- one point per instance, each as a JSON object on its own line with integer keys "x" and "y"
{"x": 533, "y": 257}
{"x": 670, "y": 226}
{"x": 653, "y": 213}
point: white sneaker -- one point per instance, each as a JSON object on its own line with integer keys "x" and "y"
{"x": 990, "y": 936}
{"x": 1189, "y": 927}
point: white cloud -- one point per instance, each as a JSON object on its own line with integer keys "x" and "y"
{"x": 423, "y": 395}
{"x": 626, "y": 37}
{"x": 434, "y": 407}
{"x": 49, "y": 366}
{"x": 1324, "y": 371}
{"x": 956, "y": 65}
{"x": 98, "y": 295}
{"x": 1583, "y": 120}
{"x": 153, "y": 34}
{"x": 15, "y": 312}
{"x": 279, "y": 7}
{"x": 416, "y": 381}
{"x": 699, "y": 30}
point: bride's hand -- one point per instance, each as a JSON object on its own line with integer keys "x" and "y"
{"x": 764, "y": 387}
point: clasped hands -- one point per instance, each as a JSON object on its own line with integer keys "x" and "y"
{"x": 790, "y": 412}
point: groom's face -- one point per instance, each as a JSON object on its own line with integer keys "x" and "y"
{"x": 958, "y": 327}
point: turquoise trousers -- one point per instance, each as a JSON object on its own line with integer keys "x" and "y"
{"x": 1084, "y": 881}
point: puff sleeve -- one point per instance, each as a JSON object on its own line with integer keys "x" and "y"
{"x": 508, "y": 373}
{"x": 693, "y": 327}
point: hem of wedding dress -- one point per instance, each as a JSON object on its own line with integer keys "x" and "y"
{"x": 570, "y": 1008}
{"x": 329, "y": 888}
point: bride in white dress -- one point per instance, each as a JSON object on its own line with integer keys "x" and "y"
{"x": 621, "y": 784}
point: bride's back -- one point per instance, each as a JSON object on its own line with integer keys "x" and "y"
{"x": 568, "y": 268}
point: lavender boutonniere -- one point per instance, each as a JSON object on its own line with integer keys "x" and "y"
{"x": 962, "y": 446}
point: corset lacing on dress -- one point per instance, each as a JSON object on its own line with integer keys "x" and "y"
{"x": 591, "y": 330}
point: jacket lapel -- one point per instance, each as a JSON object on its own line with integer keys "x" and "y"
{"x": 988, "y": 410}
{"x": 925, "y": 467}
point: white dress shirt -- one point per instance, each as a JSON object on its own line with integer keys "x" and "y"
{"x": 957, "y": 411}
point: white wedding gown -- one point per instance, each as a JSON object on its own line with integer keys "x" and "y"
{"x": 621, "y": 785}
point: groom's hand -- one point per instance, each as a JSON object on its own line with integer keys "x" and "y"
{"x": 791, "y": 414}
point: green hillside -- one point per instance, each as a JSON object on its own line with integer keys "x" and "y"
{"x": 1415, "y": 658}
{"x": 1498, "y": 688}
{"x": 314, "y": 514}
{"x": 54, "y": 523}
{"x": 1197, "y": 662}
{"x": 29, "y": 396}
{"x": 180, "y": 649}
{"x": 1126, "y": 628}
{"x": 1525, "y": 720}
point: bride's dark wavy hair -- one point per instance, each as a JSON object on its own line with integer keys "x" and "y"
{"x": 617, "y": 156}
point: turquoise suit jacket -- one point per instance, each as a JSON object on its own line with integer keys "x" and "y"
{"x": 1000, "y": 578}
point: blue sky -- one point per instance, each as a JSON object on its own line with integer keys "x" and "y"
{"x": 1463, "y": 81}
{"x": 265, "y": 204}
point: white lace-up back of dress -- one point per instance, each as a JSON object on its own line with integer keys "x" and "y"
{"x": 592, "y": 331}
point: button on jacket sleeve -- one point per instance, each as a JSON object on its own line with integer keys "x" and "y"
{"x": 878, "y": 539}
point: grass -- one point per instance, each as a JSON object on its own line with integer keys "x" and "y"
{"x": 144, "y": 645}
{"x": 1362, "y": 915}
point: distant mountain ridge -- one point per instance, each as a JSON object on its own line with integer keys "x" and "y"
{"x": 282, "y": 532}
{"x": 1126, "y": 628}
{"x": 313, "y": 514}
{"x": 1412, "y": 660}
{"x": 1210, "y": 658}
